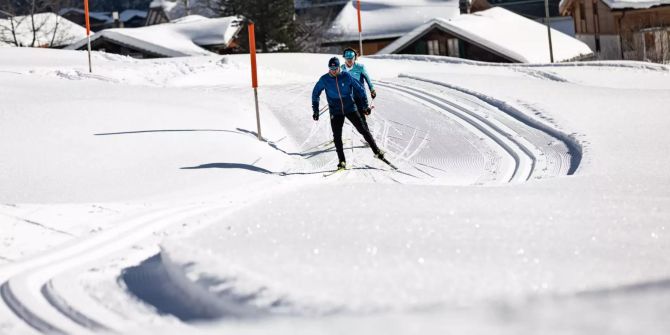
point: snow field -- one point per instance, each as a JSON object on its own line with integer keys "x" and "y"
{"x": 557, "y": 237}
{"x": 251, "y": 229}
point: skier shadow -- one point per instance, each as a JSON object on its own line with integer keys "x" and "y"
{"x": 273, "y": 145}
{"x": 254, "y": 168}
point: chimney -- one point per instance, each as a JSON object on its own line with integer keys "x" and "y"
{"x": 464, "y": 6}
{"x": 117, "y": 21}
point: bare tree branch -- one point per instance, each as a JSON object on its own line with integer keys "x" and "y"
{"x": 41, "y": 31}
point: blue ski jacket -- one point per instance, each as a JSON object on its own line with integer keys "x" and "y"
{"x": 344, "y": 94}
{"x": 359, "y": 73}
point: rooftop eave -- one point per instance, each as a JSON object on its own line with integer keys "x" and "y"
{"x": 365, "y": 38}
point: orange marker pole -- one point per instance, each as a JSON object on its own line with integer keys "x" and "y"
{"x": 88, "y": 35}
{"x": 254, "y": 74}
{"x": 360, "y": 29}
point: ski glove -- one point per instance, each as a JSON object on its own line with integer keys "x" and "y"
{"x": 367, "y": 111}
{"x": 315, "y": 116}
{"x": 373, "y": 94}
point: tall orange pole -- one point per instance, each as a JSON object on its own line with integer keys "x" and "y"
{"x": 360, "y": 29}
{"x": 254, "y": 73}
{"x": 88, "y": 35}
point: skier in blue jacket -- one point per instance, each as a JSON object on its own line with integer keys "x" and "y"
{"x": 357, "y": 70}
{"x": 346, "y": 99}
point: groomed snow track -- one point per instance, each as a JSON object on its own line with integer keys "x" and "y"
{"x": 38, "y": 290}
{"x": 522, "y": 140}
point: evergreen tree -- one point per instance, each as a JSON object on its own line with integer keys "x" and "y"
{"x": 273, "y": 20}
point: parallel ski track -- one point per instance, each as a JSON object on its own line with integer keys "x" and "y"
{"x": 574, "y": 148}
{"x": 521, "y": 152}
{"x": 28, "y": 286}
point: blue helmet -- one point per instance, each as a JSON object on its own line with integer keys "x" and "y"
{"x": 349, "y": 53}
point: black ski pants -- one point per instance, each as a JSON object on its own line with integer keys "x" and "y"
{"x": 336, "y": 123}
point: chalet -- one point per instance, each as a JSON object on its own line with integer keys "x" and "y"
{"x": 492, "y": 35}
{"x": 385, "y": 21}
{"x": 623, "y": 29}
{"x": 192, "y": 35}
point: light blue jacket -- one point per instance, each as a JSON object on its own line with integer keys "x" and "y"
{"x": 359, "y": 73}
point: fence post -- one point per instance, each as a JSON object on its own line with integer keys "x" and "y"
{"x": 254, "y": 76}
{"x": 88, "y": 35}
{"x": 360, "y": 29}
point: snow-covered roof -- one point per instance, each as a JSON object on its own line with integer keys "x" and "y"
{"x": 129, "y": 14}
{"x": 100, "y": 16}
{"x": 621, "y": 4}
{"x": 183, "y": 37}
{"x": 52, "y": 30}
{"x": 175, "y": 9}
{"x": 388, "y": 18}
{"x": 106, "y": 17}
{"x": 502, "y": 32}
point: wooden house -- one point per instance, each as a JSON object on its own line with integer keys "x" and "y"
{"x": 492, "y": 35}
{"x": 383, "y": 22}
{"x": 188, "y": 36}
{"x": 623, "y": 29}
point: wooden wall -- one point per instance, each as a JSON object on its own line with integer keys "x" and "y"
{"x": 594, "y": 17}
{"x": 614, "y": 33}
{"x": 369, "y": 47}
{"x": 464, "y": 50}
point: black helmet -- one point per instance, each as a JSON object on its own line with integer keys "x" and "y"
{"x": 333, "y": 63}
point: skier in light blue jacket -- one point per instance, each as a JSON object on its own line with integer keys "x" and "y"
{"x": 358, "y": 72}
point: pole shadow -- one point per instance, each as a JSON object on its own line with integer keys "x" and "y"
{"x": 254, "y": 168}
{"x": 166, "y": 131}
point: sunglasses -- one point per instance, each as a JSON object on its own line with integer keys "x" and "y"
{"x": 333, "y": 68}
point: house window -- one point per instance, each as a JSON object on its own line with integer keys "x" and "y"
{"x": 650, "y": 40}
{"x": 433, "y": 47}
{"x": 452, "y": 47}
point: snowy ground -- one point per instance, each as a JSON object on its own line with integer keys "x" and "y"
{"x": 530, "y": 198}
